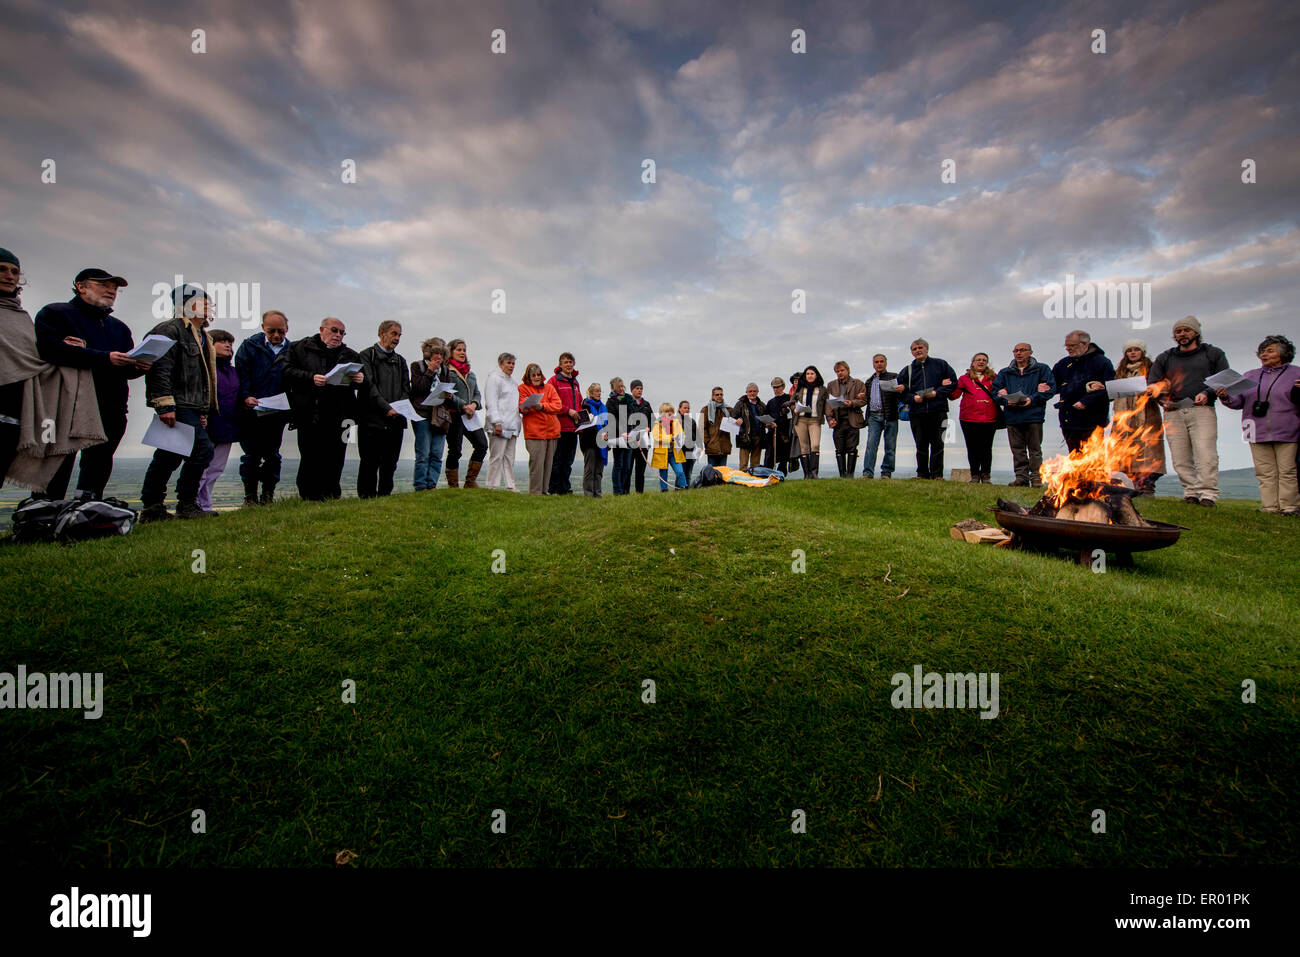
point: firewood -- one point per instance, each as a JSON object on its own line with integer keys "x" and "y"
{"x": 1015, "y": 507}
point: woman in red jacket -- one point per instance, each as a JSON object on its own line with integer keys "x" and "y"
{"x": 978, "y": 415}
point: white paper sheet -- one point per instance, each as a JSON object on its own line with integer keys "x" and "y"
{"x": 1235, "y": 383}
{"x": 152, "y": 348}
{"x": 729, "y": 426}
{"x": 473, "y": 422}
{"x": 403, "y": 407}
{"x": 178, "y": 438}
{"x": 336, "y": 375}
{"x": 273, "y": 403}
{"x": 834, "y": 401}
{"x": 532, "y": 402}
{"x": 1133, "y": 385}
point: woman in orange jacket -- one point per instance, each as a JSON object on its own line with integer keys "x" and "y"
{"x": 541, "y": 427}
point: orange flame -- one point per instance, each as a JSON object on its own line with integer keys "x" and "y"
{"x": 1080, "y": 474}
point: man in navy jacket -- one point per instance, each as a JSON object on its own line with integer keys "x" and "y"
{"x": 260, "y": 364}
{"x": 83, "y": 334}
{"x": 925, "y": 385}
{"x": 1081, "y": 378}
{"x": 1028, "y": 377}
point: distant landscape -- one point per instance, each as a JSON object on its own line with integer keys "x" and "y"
{"x": 128, "y": 476}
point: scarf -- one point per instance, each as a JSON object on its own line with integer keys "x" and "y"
{"x": 1126, "y": 369}
{"x": 461, "y": 367}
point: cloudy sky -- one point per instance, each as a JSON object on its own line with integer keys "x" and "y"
{"x": 774, "y": 171}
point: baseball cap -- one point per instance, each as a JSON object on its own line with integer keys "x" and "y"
{"x": 96, "y": 273}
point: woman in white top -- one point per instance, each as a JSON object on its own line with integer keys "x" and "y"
{"x": 501, "y": 410}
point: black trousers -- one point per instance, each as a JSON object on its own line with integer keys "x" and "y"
{"x": 477, "y": 440}
{"x": 1076, "y": 437}
{"x": 565, "y": 448}
{"x": 260, "y": 437}
{"x": 379, "y": 447}
{"x": 845, "y": 437}
{"x": 927, "y": 432}
{"x": 321, "y": 451}
{"x": 96, "y": 461}
{"x": 780, "y": 457}
{"x": 639, "y": 462}
{"x": 979, "y": 445}
{"x": 11, "y": 404}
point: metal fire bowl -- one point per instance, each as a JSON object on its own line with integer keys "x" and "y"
{"x": 1063, "y": 533}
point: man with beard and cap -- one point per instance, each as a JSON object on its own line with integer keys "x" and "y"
{"x": 320, "y": 409}
{"x": 82, "y": 333}
{"x": 1191, "y": 421}
{"x": 182, "y": 388}
{"x": 35, "y": 394}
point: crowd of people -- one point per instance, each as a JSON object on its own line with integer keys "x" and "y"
{"x": 74, "y": 359}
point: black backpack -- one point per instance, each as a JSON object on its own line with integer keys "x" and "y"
{"x": 95, "y": 518}
{"x": 70, "y": 520}
{"x": 705, "y": 477}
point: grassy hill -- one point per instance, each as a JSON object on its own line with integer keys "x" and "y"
{"x": 522, "y": 691}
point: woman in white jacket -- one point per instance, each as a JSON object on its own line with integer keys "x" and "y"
{"x": 501, "y": 409}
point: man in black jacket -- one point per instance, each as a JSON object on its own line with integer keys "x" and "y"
{"x": 776, "y": 451}
{"x": 323, "y": 414}
{"x": 618, "y": 408}
{"x": 382, "y": 427}
{"x": 882, "y": 418}
{"x": 1081, "y": 378}
{"x": 182, "y": 388}
{"x": 83, "y": 333}
{"x": 925, "y": 384}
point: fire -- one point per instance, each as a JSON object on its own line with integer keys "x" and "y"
{"x": 1085, "y": 472}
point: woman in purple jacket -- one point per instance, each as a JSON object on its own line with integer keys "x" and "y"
{"x": 222, "y": 427}
{"x": 1270, "y": 422}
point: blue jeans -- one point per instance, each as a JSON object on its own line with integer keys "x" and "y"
{"x": 876, "y": 424}
{"x": 429, "y": 447}
{"x": 622, "y": 474}
{"x": 160, "y": 470}
{"x": 677, "y": 470}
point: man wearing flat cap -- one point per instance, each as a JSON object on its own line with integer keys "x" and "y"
{"x": 82, "y": 333}
{"x": 182, "y": 388}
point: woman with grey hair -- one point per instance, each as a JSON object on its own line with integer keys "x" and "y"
{"x": 501, "y": 405}
{"x": 1270, "y": 422}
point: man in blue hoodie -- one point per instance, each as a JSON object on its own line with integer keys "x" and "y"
{"x": 83, "y": 334}
{"x": 260, "y": 364}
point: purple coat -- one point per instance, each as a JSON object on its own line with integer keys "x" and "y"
{"x": 1282, "y": 424}
{"x": 222, "y": 427}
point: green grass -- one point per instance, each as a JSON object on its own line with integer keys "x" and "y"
{"x": 522, "y": 691}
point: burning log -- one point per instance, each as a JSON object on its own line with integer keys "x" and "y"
{"x": 1105, "y": 503}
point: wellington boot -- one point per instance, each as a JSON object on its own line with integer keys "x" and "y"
{"x": 453, "y": 478}
{"x": 471, "y": 474}
{"x": 851, "y": 463}
{"x": 839, "y": 463}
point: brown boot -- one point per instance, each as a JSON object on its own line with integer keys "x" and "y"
{"x": 453, "y": 478}
{"x": 471, "y": 474}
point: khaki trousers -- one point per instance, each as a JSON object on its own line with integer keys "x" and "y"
{"x": 541, "y": 457}
{"x": 1193, "y": 436}
{"x": 1275, "y": 470}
